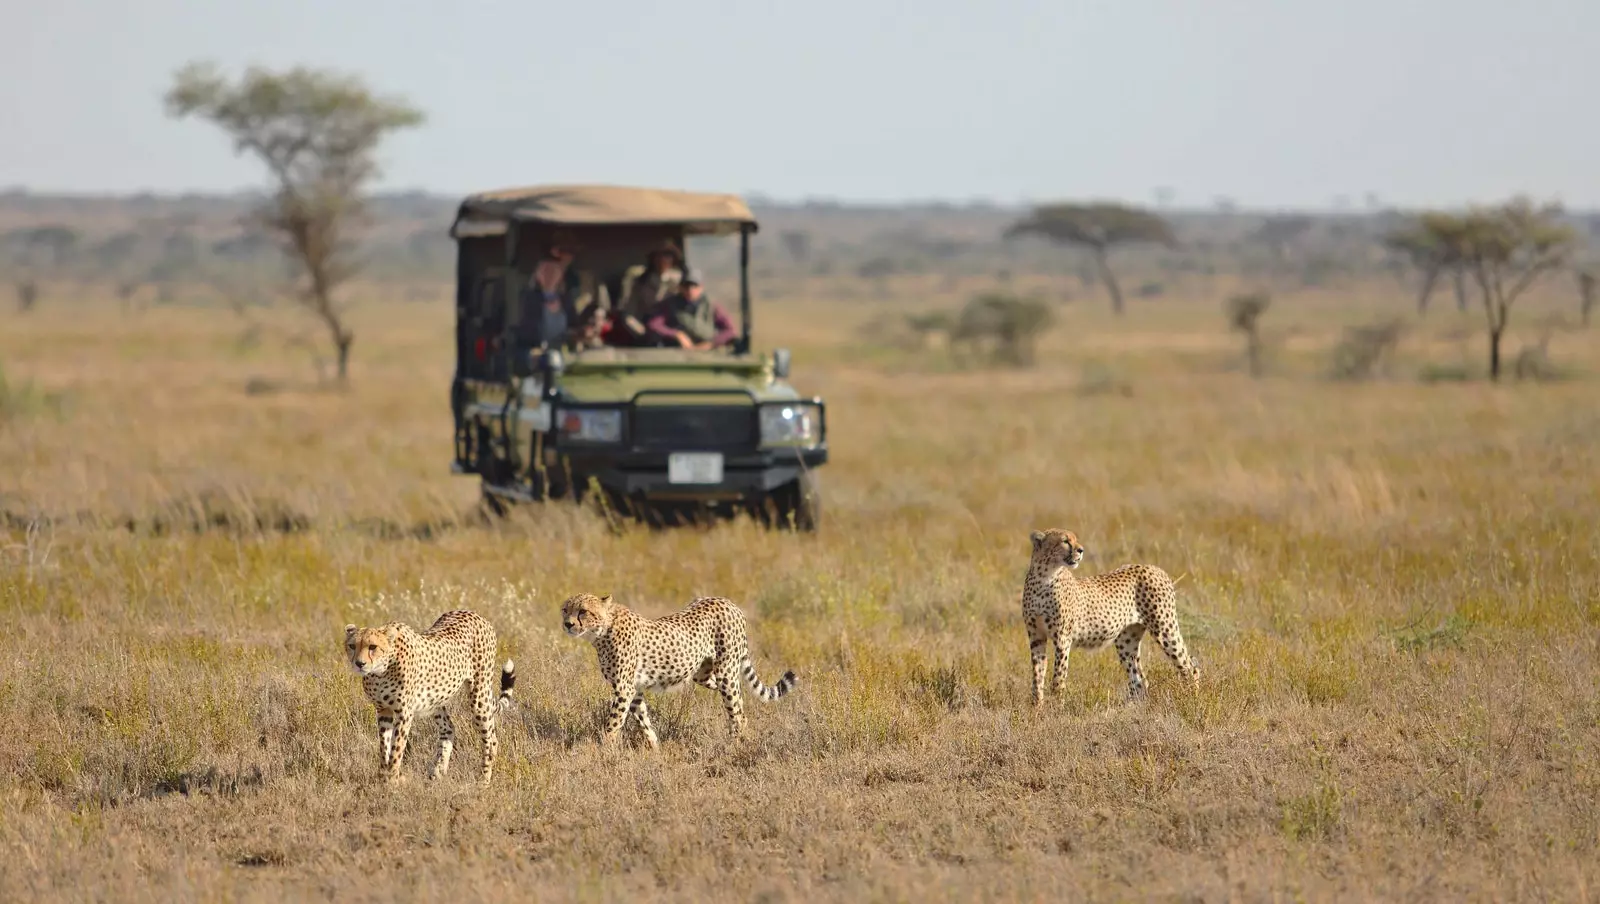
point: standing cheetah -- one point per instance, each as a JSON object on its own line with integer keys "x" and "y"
{"x": 704, "y": 642}
{"x": 1120, "y": 604}
{"x": 406, "y": 674}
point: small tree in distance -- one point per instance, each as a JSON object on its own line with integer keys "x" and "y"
{"x": 318, "y": 134}
{"x": 1244, "y": 316}
{"x": 1504, "y": 249}
{"x": 1098, "y": 228}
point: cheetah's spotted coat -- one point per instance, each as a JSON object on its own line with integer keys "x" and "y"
{"x": 705, "y": 642}
{"x": 407, "y": 674}
{"x": 1118, "y": 606}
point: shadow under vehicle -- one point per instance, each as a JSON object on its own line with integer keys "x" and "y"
{"x": 667, "y": 435}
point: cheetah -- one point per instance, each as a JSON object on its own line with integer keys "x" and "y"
{"x": 1121, "y": 604}
{"x": 407, "y": 674}
{"x": 705, "y": 642}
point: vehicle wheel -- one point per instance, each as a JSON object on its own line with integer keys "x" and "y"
{"x": 799, "y": 504}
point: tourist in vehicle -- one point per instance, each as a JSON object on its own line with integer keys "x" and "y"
{"x": 689, "y": 319}
{"x": 644, "y": 289}
{"x": 548, "y": 312}
{"x": 663, "y": 271}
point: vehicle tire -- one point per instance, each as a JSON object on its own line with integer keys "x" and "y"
{"x": 799, "y": 504}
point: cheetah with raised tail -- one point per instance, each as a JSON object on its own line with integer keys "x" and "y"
{"x": 407, "y": 674}
{"x": 705, "y": 642}
{"x": 1120, "y": 604}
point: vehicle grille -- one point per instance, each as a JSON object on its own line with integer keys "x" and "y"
{"x": 710, "y": 427}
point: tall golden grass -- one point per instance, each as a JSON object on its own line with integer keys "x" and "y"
{"x": 1393, "y": 590}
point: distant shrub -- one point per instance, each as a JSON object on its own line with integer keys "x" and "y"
{"x": 1533, "y": 362}
{"x": 1365, "y": 350}
{"x": 1445, "y": 373}
{"x": 1012, "y": 322}
{"x": 24, "y": 400}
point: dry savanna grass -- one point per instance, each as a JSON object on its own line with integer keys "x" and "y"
{"x": 1391, "y": 589}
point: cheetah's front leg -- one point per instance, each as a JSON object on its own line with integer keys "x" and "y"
{"x": 1037, "y": 642}
{"x": 402, "y": 734}
{"x": 1058, "y": 681}
{"x": 641, "y": 712}
{"x": 386, "y": 719}
{"x": 621, "y": 704}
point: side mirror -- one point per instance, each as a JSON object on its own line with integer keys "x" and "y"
{"x": 780, "y": 363}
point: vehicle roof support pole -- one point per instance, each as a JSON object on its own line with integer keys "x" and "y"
{"x": 744, "y": 284}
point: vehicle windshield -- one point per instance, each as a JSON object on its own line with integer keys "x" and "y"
{"x": 636, "y": 291}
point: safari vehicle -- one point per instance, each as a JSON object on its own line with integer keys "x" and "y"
{"x": 662, "y": 434}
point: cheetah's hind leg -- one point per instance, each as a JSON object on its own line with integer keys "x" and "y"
{"x": 1172, "y": 644}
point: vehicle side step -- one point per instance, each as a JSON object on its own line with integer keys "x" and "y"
{"x": 509, "y": 493}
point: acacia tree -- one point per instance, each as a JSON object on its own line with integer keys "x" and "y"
{"x": 318, "y": 134}
{"x": 1504, "y": 249}
{"x": 1097, "y": 228}
{"x": 1433, "y": 256}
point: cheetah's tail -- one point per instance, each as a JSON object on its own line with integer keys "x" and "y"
{"x": 508, "y": 683}
{"x": 784, "y": 685}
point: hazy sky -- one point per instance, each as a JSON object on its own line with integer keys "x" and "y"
{"x": 1270, "y": 102}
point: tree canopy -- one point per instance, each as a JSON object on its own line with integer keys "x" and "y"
{"x": 1504, "y": 248}
{"x": 317, "y": 133}
{"x": 1097, "y": 227}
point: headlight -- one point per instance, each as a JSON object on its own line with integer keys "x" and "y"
{"x": 600, "y": 426}
{"x": 791, "y": 424}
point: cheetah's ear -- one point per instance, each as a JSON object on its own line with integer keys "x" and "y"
{"x": 348, "y": 631}
{"x": 606, "y": 599}
{"x": 1037, "y": 537}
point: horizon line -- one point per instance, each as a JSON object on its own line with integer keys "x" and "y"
{"x": 1221, "y": 205}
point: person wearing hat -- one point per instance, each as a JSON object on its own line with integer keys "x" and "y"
{"x": 662, "y": 272}
{"x": 688, "y": 319}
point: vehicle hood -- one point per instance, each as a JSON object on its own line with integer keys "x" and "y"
{"x": 669, "y": 376}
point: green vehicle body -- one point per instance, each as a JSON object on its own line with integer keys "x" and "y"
{"x": 661, "y": 434}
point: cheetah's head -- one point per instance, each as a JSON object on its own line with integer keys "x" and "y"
{"x": 1057, "y": 547}
{"x": 370, "y": 649}
{"x": 586, "y": 615}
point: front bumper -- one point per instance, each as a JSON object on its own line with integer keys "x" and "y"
{"x": 744, "y": 476}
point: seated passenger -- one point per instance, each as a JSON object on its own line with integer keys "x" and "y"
{"x": 662, "y": 273}
{"x": 644, "y": 288}
{"x": 689, "y": 319}
{"x": 547, "y": 305}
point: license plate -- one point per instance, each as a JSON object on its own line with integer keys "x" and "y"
{"x": 694, "y": 467}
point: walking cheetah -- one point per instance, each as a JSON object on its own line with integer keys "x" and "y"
{"x": 1061, "y": 609}
{"x": 406, "y": 675}
{"x": 705, "y": 642}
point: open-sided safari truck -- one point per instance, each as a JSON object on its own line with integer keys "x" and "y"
{"x": 657, "y": 432}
